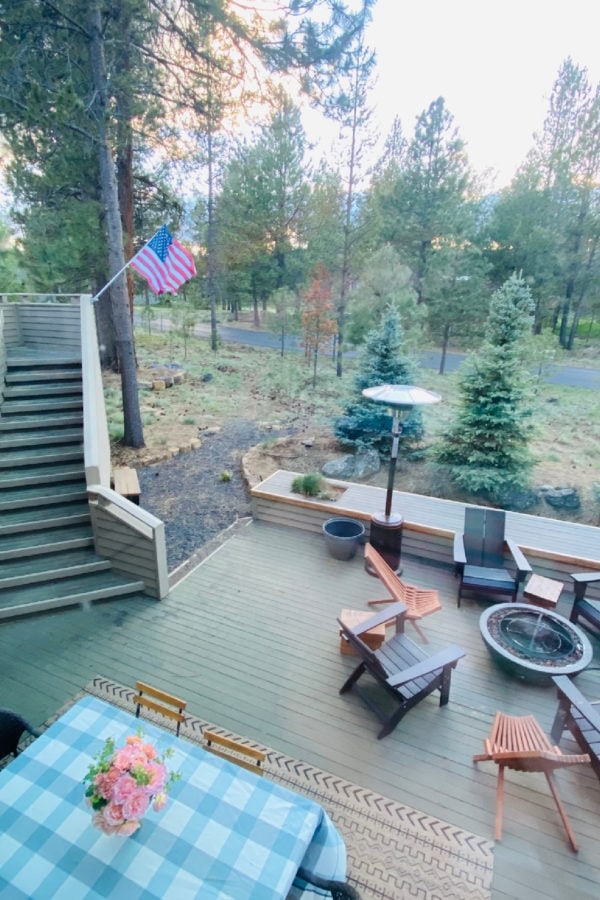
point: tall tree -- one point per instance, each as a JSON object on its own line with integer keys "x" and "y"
{"x": 349, "y": 108}
{"x": 422, "y": 201}
{"x": 486, "y": 451}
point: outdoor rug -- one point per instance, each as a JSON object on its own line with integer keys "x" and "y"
{"x": 394, "y": 851}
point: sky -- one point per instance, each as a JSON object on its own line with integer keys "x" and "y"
{"x": 494, "y": 64}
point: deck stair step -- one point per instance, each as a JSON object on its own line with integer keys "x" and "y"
{"x": 43, "y": 389}
{"x": 53, "y": 516}
{"x": 40, "y": 362}
{"x": 45, "y": 474}
{"x": 33, "y": 495}
{"x": 50, "y": 567}
{"x": 16, "y": 375}
{"x": 71, "y": 591}
{"x": 35, "y": 543}
{"x": 52, "y": 436}
{"x": 40, "y": 455}
{"x": 41, "y": 407}
{"x": 35, "y": 421}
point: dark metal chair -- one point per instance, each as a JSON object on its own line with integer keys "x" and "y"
{"x": 582, "y": 608}
{"x": 12, "y": 726}
{"x": 400, "y": 667}
{"x": 479, "y": 555}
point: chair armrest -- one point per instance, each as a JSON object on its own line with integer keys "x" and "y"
{"x": 460, "y": 557}
{"x": 441, "y": 660}
{"x": 581, "y": 581}
{"x": 391, "y": 612}
{"x": 566, "y": 689}
{"x": 515, "y": 551}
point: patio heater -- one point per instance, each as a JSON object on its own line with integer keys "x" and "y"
{"x": 386, "y": 527}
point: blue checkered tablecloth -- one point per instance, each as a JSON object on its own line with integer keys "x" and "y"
{"x": 224, "y": 833}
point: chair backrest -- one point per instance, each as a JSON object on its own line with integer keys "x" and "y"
{"x": 484, "y": 536}
{"x": 160, "y": 702}
{"x": 234, "y": 751}
{"x": 12, "y": 726}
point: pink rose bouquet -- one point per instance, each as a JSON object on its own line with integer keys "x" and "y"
{"x": 123, "y": 783}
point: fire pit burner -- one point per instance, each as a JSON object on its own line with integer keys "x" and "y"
{"x": 534, "y": 644}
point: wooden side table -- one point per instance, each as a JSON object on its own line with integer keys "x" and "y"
{"x": 542, "y": 591}
{"x": 373, "y": 638}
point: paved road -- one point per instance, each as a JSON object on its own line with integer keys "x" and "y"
{"x": 571, "y": 376}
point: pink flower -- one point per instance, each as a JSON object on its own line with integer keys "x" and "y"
{"x": 159, "y": 801}
{"x": 113, "y": 814}
{"x": 136, "y": 805}
{"x": 124, "y": 787}
{"x": 149, "y": 751}
{"x": 105, "y": 782}
{"x": 157, "y": 774}
{"x": 100, "y": 822}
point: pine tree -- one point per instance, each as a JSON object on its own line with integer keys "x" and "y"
{"x": 486, "y": 450}
{"x": 366, "y": 424}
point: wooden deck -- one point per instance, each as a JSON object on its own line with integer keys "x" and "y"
{"x": 249, "y": 639}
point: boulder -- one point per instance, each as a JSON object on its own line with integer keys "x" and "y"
{"x": 341, "y": 468}
{"x": 366, "y": 463}
{"x": 353, "y": 467}
{"x": 562, "y": 498}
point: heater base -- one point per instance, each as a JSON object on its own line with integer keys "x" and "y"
{"x": 386, "y": 538}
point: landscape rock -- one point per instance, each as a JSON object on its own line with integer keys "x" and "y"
{"x": 518, "y": 499}
{"x": 353, "y": 466}
{"x": 563, "y": 498}
{"x": 341, "y": 468}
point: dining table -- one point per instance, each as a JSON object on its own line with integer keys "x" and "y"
{"x": 224, "y": 833}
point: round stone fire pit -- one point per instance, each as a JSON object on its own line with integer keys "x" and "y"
{"x": 532, "y": 643}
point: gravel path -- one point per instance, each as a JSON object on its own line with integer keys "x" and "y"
{"x": 186, "y": 492}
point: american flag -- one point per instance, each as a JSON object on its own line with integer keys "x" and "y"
{"x": 164, "y": 263}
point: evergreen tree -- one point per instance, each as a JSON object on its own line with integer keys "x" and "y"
{"x": 486, "y": 450}
{"x": 367, "y": 424}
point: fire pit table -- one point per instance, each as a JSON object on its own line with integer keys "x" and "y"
{"x": 534, "y": 644}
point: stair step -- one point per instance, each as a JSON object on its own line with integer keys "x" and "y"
{"x": 52, "y": 436}
{"x": 47, "y": 389}
{"x": 50, "y": 567}
{"x": 84, "y": 589}
{"x": 36, "y": 422}
{"x": 32, "y": 495}
{"x": 42, "y": 374}
{"x": 37, "y": 518}
{"x": 39, "y": 407}
{"x": 49, "y": 474}
{"x": 39, "y": 455}
{"x": 34, "y": 543}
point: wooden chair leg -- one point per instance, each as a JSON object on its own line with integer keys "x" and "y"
{"x": 499, "y": 803}
{"x": 562, "y": 813}
{"x": 419, "y": 631}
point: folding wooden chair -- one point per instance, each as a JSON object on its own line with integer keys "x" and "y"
{"x": 155, "y": 699}
{"x": 518, "y": 742}
{"x": 234, "y": 751}
{"x": 419, "y": 602}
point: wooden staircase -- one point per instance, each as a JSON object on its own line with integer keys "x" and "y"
{"x": 47, "y": 557}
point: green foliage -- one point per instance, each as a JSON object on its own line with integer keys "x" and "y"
{"x": 368, "y": 424}
{"x": 486, "y": 450}
{"x": 225, "y": 476}
{"x": 311, "y": 485}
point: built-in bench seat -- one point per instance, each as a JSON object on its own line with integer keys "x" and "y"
{"x": 580, "y": 716}
{"x": 126, "y": 483}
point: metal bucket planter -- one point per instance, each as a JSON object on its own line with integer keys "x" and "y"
{"x": 343, "y": 537}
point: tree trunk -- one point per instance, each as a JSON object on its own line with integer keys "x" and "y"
{"x": 445, "y": 342}
{"x": 133, "y": 433}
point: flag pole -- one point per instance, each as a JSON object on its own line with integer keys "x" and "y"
{"x": 120, "y": 272}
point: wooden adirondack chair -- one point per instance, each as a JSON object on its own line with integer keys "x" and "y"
{"x": 518, "y": 742}
{"x": 419, "y": 602}
{"x": 400, "y": 667}
{"x": 479, "y": 555}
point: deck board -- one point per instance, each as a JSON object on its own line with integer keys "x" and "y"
{"x": 249, "y": 639}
